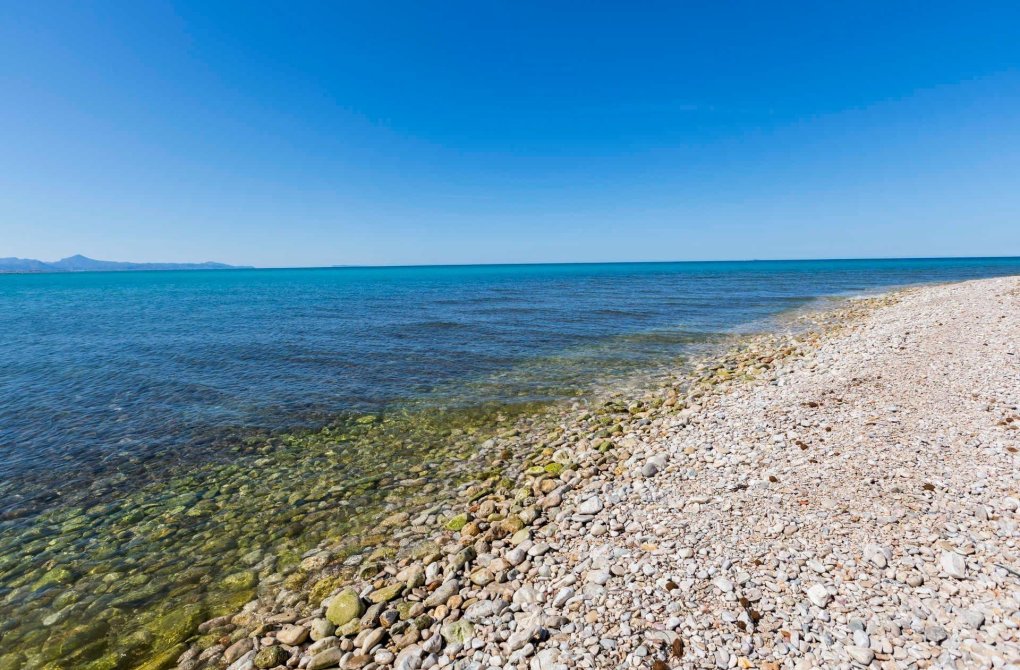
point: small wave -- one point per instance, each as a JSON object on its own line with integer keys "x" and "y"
{"x": 437, "y": 325}
{"x": 629, "y": 313}
{"x": 507, "y": 309}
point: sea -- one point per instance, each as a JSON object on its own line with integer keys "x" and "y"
{"x": 124, "y": 394}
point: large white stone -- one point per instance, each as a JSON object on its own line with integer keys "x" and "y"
{"x": 953, "y": 564}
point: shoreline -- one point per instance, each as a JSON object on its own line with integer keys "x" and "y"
{"x": 82, "y": 591}
{"x": 528, "y": 580}
{"x": 520, "y": 497}
{"x": 75, "y": 571}
{"x": 551, "y": 472}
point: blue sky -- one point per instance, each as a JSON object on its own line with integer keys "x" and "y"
{"x": 280, "y": 134}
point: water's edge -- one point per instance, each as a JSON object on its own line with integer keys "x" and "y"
{"x": 242, "y": 529}
{"x": 126, "y": 576}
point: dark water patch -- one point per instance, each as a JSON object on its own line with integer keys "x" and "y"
{"x": 437, "y": 325}
{"x": 623, "y": 313}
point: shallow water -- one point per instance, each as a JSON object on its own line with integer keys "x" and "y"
{"x": 139, "y": 478}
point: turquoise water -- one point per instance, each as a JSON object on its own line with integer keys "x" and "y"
{"x": 159, "y": 431}
{"x": 112, "y": 370}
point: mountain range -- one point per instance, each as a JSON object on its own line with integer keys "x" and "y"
{"x": 79, "y": 263}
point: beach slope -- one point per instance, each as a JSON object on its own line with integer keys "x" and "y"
{"x": 857, "y": 505}
{"x": 844, "y": 496}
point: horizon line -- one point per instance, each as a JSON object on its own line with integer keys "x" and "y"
{"x": 501, "y": 264}
{"x": 660, "y": 262}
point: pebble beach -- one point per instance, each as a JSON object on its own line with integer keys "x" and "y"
{"x": 842, "y": 497}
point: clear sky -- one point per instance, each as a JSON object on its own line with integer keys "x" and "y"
{"x": 279, "y": 134}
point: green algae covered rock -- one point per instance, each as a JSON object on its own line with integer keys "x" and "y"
{"x": 295, "y": 580}
{"x": 239, "y": 581}
{"x": 12, "y": 661}
{"x": 346, "y": 606}
{"x": 422, "y": 549}
{"x": 163, "y": 660}
{"x": 66, "y": 642}
{"x": 270, "y": 657}
{"x": 405, "y": 609}
{"x": 554, "y": 469}
{"x": 387, "y": 593}
{"x": 352, "y": 627}
{"x": 110, "y": 661}
{"x": 457, "y": 632}
{"x": 382, "y": 553}
{"x": 128, "y": 649}
{"x": 54, "y": 577}
{"x": 457, "y": 523}
{"x": 325, "y": 586}
{"x": 176, "y": 626}
{"x": 512, "y": 524}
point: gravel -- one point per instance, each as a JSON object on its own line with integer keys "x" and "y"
{"x": 843, "y": 497}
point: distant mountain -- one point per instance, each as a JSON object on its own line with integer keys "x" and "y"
{"x": 22, "y": 265}
{"x": 79, "y": 263}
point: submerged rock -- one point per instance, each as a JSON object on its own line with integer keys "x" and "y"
{"x": 240, "y": 580}
{"x": 177, "y": 625}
